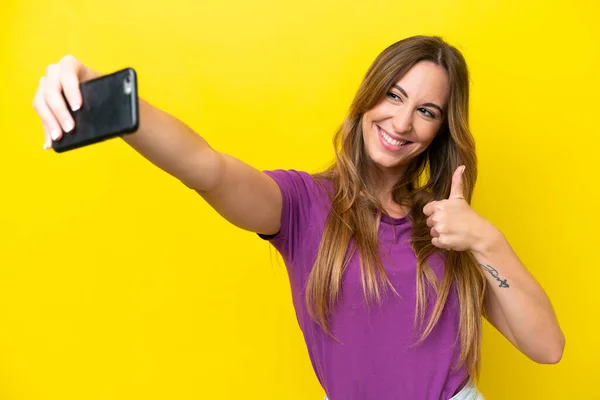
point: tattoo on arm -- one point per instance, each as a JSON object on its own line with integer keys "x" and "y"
{"x": 495, "y": 274}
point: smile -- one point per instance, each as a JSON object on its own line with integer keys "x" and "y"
{"x": 389, "y": 142}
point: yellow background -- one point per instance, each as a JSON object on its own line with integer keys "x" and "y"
{"x": 117, "y": 282}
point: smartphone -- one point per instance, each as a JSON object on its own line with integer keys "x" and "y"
{"x": 109, "y": 109}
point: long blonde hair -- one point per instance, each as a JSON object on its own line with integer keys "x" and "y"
{"x": 356, "y": 211}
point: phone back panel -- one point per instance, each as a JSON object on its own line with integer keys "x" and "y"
{"x": 109, "y": 109}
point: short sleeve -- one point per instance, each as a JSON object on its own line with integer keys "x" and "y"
{"x": 295, "y": 187}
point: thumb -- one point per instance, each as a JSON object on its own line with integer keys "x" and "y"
{"x": 456, "y": 190}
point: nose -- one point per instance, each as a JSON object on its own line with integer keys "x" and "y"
{"x": 402, "y": 120}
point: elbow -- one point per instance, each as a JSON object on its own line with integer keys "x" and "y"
{"x": 553, "y": 353}
{"x": 551, "y": 358}
{"x": 557, "y": 354}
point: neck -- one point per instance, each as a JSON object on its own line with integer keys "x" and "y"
{"x": 385, "y": 181}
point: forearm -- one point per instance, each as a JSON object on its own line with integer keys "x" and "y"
{"x": 525, "y": 306}
{"x": 174, "y": 147}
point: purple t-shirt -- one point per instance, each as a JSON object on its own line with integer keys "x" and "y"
{"x": 374, "y": 357}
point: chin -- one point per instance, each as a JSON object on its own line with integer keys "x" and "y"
{"x": 385, "y": 162}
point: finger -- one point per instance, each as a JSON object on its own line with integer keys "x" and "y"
{"x": 47, "y": 138}
{"x": 434, "y": 219}
{"x": 69, "y": 70}
{"x": 434, "y": 206}
{"x": 440, "y": 243}
{"x": 49, "y": 122}
{"x": 456, "y": 190}
{"x": 434, "y": 233}
{"x": 429, "y": 208}
{"x": 55, "y": 100}
{"x": 430, "y": 222}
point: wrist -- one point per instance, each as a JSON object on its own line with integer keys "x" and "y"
{"x": 488, "y": 238}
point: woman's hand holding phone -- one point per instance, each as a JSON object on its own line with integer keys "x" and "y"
{"x": 60, "y": 83}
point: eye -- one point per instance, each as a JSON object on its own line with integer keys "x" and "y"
{"x": 427, "y": 112}
{"x": 393, "y": 96}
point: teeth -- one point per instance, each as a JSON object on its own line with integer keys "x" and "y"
{"x": 391, "y": 141}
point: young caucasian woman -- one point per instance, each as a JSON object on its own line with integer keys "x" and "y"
{"x": 391, "y": 270}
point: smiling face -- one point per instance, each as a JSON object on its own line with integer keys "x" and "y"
{"x": 407, "y": 120}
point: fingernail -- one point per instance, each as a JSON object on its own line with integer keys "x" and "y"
{"x": 46, "y": 146}
{"x": 54, "y": 133}
{"x": 463, "y": 169}
{"x": 68, "y": 125}
{"x": 76, "y": 107}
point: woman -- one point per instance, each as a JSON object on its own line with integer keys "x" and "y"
{"x": 391, "y": 270}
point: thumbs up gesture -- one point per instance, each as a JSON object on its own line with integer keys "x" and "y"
{"x": 454, "y": 224}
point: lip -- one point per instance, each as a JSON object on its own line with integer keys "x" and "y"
{"x": 398, "y": 138}
{"x": 388, "y": 146}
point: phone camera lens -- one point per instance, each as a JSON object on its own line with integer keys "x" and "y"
{"x": 127, "y": 85}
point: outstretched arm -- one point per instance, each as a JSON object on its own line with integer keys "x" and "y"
{"x": 243, "y": 195}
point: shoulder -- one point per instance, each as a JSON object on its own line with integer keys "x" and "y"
{"x": 304, "y": 205}
{"x": 288, "y": 175}
{"x": 299, "y": 183}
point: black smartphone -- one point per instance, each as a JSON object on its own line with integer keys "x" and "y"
{"x": 109, "y": 109}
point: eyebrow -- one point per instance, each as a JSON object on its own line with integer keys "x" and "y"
{"x": 426, "y": 104}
